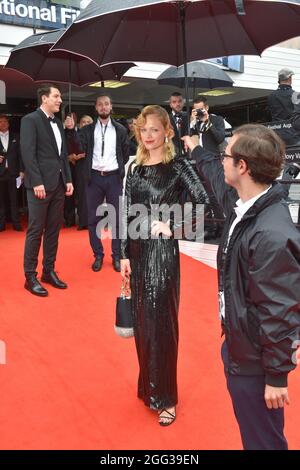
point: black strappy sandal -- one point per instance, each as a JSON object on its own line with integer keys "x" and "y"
{"x": 169, "y": 419}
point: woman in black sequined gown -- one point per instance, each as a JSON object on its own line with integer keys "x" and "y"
{"x": 156, "y": 177}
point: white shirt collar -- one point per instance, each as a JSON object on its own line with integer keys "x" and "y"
{"x": 242, "y": 207}
{"x": 4, "y": 134}
{"x": 109, "y": 123}
{"x": 48, "y": 115}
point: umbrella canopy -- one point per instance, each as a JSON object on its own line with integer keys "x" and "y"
{"x": 149, "y": 30}
{"x": 33, "y": 58}
{"x": 199, "y": 75}
{"x": 177, "y": 31}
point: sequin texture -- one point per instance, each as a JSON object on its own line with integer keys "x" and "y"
{"x": 155, "y": 279}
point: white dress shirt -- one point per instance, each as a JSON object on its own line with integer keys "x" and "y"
{"x": 56, "y": 132}
{"x": 203, "y": 127}
{"x": 176, "y": 119}
{"x": 240, "y": 210}
{"x": 4, "y": 136}
{"x": 106, "y": 160}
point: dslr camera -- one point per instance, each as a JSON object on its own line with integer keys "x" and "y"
{"x": 199, "y": 114}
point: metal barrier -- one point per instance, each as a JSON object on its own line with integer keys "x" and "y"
{"x": 293, "y": 199}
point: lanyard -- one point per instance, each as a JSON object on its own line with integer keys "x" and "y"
{"x": 103, "y": 135}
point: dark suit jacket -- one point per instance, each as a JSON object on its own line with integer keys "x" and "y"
{"x": 13, "y": 156}
{"x": 214, "y": 135}
{"x": 42, "y": 162}
{"x": 184, "y": 130}
{"x": 86, "y": 136}
{"x": 280, "y": 103}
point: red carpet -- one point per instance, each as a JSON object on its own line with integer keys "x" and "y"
{"x": 70, "y": 382}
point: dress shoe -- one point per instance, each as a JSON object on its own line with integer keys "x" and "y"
{"x": 82, "y": 227}
{"x": 97, "y": 264}
{"x": 17, "y": 227}
{"x": 33, "y": 286}
{"x": 116, "y": 264}
{"x": 53, "y": 279}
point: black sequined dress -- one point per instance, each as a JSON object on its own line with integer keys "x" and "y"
{"x": 155, "y": 278}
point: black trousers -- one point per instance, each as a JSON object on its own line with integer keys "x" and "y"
{"x": 261, "y": 428}
{"x": 78, "y": 199}
{"x": 69, "y": 206}
{"x": 45, "y": 218}
{"x": 8, "y": 187}
{"x": 80, "y": 191}
{"x": 110, "y": 188}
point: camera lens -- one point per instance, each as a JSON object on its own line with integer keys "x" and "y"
{"x": 199, "y": 113}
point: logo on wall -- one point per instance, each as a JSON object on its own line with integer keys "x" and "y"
{"x": 232, "y": 62}
{"x": 37, "y": 13}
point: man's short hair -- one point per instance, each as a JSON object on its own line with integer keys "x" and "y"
{"x": 3, "y": 116}
{"x": 261, "y": 149}
{"x": 102, "y": 95}
{"x": 200, "y": 99}
{"x": 285, "y": 74}
{"x": 176, "y": 93}
{"x": 45, "y": 90}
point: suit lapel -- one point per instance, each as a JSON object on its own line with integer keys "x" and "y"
{"x": 173, "y": 122}
{"x": 10, "y": 140}
{"x": 49, "y": 129}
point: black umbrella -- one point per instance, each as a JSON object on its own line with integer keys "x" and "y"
{"x": 177, "y": 31}
{"x": 33, "y": 58}
{"x": 199, "y": 75}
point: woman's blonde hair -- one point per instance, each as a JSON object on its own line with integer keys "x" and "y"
{"x": 87, "y": 118}
{"x": 142, "y": 154}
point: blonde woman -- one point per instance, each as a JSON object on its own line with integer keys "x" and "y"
{"x": 85, "y": 121}
{"x": 152, "y": 260}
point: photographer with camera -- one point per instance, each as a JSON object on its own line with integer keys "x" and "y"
{"x": 210, "y": 128}
{"x": 208, "y": 131}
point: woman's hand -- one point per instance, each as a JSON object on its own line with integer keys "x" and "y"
{"x": 158, "y": 228}
{"x": 188, "y": 142}
{"x": 72, "y": 158}
{"x": 69, "y": 122}
{"x": 125, "y": 268}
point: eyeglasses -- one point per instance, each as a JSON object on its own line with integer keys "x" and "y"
{"x": 224, "y": 155}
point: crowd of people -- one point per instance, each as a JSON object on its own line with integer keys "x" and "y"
{"x": 258, "y": 256}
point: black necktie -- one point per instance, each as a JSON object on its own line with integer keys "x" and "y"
{"x": 52, "y": 119}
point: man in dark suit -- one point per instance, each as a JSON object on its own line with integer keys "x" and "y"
{"x": 209, "y": 132}
{"x": 179, "y": 121}
{"x": 210, "y": 128}
{"x": 47, "y": 180}
{"x": 10, "y": 169}
{"x": 106, "y": 146}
